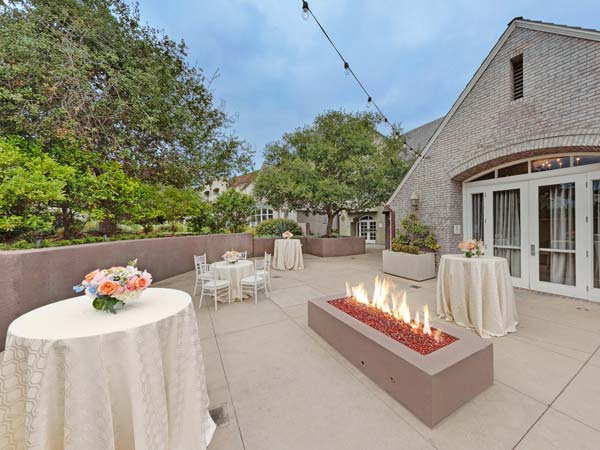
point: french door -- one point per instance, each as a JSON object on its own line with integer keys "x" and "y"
{"x": 559, "y": 242}
{"x": 368, "y": 229}
{"x": 548, "y": 229}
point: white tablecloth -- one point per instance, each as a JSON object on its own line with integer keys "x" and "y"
{"x": 234, "y": 274}
{"x": 288, "y": 255}
{"x": 75, "y": 378}
{"x": 477, "y": 293}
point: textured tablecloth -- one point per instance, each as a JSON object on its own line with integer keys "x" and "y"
{"x": 75, "y": 378}
{"x": 234, "y": 274}
{"x": 477, "y": 293}
{"x": 288, "y": 255}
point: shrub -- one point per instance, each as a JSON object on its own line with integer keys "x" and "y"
{"x": 276, "y": 227}
{"x": 404, "y": 248}
{"x": 416, "y": 234}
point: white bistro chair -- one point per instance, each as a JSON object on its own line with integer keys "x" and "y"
{"x": 198, "y": 261}
{"x": 244, "y": 255}
{"x": 255, "y": 282}
{"x": 266, "y": 270}
{"x": 213, "y": 287}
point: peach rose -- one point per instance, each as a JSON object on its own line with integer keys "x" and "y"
{"x": 132, "y": 283}
{"x": 90, "y": 276}
{"x": 108, "y": 288}
{"x": 142, "y": 283}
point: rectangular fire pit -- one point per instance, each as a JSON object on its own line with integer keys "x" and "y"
{"x": 431, "y": 386}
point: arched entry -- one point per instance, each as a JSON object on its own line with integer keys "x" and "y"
{"x": 367, "y": 228}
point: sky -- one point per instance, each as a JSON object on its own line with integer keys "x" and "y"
{"x": 276, "y": 71}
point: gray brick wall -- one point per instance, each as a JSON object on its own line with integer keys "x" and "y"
{"x": 560, "y": 111}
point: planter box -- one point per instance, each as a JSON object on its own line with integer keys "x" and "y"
{"x": 262, "y": 245}
{"x": 341, "y": 246}
{"x": 406, "y": 265}
{"x": 431, "y": 386}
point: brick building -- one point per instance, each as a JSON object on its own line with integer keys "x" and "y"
{"x": 516, "y": 161}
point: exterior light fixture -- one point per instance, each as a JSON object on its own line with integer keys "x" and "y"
{"x": 305, "y": 10}
{"x": 414, "y": 201}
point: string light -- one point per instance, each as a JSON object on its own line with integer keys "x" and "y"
{"x": 306, "y": 14}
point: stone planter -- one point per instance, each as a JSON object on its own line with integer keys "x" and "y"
{"x": 340, "y": 246}
{"x": 406, "y": 265}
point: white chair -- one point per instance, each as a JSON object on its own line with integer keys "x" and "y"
{"x": 264, "y": 269}
{"x": 213, "y": 287}
{"x": 198, "y": 261}
{"x": 244, "y": 255}
{"x": 255, "y": 282}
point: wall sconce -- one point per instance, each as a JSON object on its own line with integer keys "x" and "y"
{"x": 414, "y": 201}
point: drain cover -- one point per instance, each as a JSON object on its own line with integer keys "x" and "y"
{"x": 414, "y": 286}
{"x": 219, "y": 415}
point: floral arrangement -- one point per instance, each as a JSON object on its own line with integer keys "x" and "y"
{"x": 114, "y": 287}
{"x": 231, "y": 256}
{"x": 472, "y": 248}
{"x": 287, "y": 234}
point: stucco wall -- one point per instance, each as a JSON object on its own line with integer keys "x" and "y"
{"x": 33, "y": 278}
{"x": 560, "y": 111}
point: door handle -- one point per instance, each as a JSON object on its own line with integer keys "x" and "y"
{"x": 532, "y": 249}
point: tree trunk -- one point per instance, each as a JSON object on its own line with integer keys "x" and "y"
{"x": 330, "y": 217}
{"x": 66, "y": 222}
{"x": 108, "y": 226}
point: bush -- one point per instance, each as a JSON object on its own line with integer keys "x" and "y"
{"x": 276, "y": 227}
{"x": 404, "y": 248}
{"x": 416, "y": 234}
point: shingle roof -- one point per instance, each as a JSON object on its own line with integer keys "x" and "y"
{"x": 243, "y": 181}
{"x": 540, "y": 22}
{"x": 417, "y": 138}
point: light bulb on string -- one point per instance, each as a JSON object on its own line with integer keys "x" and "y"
{"x": 369, "y": 102}
{"x": 305, "y": 10}
{"x": 346, "y": 68}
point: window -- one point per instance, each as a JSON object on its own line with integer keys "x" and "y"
{"x": 515, "y": 169}
{"x": 485, "y": 176}
{"x": 262, "y": 214}
{"x": 216, "y": 191}
{"x": 542, "y": 165}
{"x": 206, "y": 194}
{"x": 583, "y": 160}
{"x": 517, "y": 76}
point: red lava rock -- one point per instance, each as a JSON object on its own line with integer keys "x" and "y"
{"x": 392, "y": 327}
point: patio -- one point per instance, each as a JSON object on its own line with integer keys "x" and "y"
{"x": 275, "y": 384}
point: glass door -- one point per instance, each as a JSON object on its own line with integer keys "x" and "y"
{"x": 558, "y": 238}
{"x": 368, "y": 229}
{"x": 593, "y": 222}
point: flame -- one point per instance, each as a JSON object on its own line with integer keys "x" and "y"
{"x": 397, "y": 308}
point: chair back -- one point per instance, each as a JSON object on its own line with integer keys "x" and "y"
{"x": 267, "y": 262}
{"x": 198, "y": 261}
{"x": 244, "y": 255}
{"x": 205, "y": 270}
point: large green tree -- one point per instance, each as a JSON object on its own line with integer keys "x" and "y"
{"x": 90, "y": 71}
{"x": 339, "y": 162}
{"x": 232, "y": 211}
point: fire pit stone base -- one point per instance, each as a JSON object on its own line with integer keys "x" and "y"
{"x": 431, "y": 386}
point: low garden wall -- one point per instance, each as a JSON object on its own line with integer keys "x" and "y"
{"x": 33, "y": 278}
{"x": 339, "y": 246}
{"x": 262, "y": 245}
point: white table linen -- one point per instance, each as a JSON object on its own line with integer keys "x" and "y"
{"x": 75, "y": 378}
{"x": 288, "y": 255}
{"x": 234, "y": 272}
{"x": 477, "y": 293}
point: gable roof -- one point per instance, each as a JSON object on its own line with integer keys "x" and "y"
{"x": 517, "y": 22}
{"x": 243, "y": 181}
{"x": 417, "y": 138}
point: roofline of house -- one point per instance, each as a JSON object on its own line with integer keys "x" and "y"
{"x": 517, "y": 22}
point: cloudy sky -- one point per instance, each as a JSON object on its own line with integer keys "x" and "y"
{"x": 277, "y": 71}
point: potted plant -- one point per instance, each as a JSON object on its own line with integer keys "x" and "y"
{"x": 412, "y": 254}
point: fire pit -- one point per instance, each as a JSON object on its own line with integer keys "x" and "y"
{"x": 427, "y": 367}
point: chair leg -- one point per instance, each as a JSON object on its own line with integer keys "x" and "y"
{"x": 201, "y": 296}
{"x": 256, "y": 294}
{"x": 195, "y": 287}
{"x": 216, "y": 301}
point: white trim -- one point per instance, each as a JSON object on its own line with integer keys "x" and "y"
{"x": 520, "y": 23}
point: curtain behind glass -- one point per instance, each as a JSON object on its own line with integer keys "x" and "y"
{"x": 562, "y": 233}
{"x": 507, "y": 228}
{"x": 477, "y": 215}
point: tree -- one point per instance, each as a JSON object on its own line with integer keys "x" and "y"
{"x": 92, "y": 72}
{"x": 30, "y": 181}
{"x": 232, "y": 211}
{"x": 339, "y": 162}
